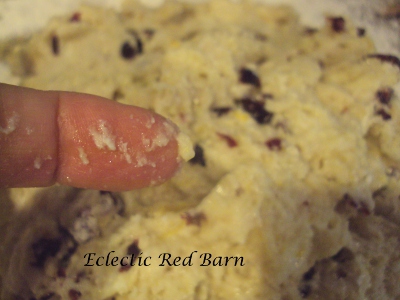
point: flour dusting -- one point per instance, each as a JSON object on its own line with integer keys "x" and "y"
{"x": 150, "y": 122}
{"x": 185, "y": 147}
{"x": 162, "y": 138}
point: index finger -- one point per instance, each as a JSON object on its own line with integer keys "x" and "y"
{"x": 83, "y": 141}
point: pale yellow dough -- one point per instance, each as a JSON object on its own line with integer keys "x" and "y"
{"x": 309, "y": 200}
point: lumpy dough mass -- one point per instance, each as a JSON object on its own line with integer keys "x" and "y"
{"x": 296, "y": 167}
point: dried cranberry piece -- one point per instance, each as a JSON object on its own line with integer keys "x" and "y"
{"x": 133, "y": 249}
{"x": 338, "y": 24}
{"x": 386, "y": 58}
{"x": 79, "y": 276}
{"x": 348, "y": 205}
{"x": 128, "y": 51}
{"x": 149, "y": 32}
{"x": 61, "y": 272}
{"x": 198, "y": 156}
{"x": 274, "y": 144}
{"x": 360, "y": 32}
{"x": 307, "y": 276}
{"x": 125, "y": 268}
{"x": 220, "y": 111}
{"x": 74, "y": 294}
{"x": 385, "y": 116}
{"x": 310, "y": 31}
{"x": 363, "y": 208}
{"x": 76, "y": 17}
{"x": 249, "y": 77}
{"x": 194, "y": 219}
{"x": 117, "y": 94}
{"x": 266, "y": 96}
{"x": 344, "y": 255}
{"x": 55, "y": 44}
{"x": 349, "y": 200}
{"x": 139, "y": 43}
{"x": 260, "y": 36}
{"x": 43, "y": 249}
{"x": 384, "y": 95}
{"x": 256, "y": 110}
{"x": 229, "y": 140}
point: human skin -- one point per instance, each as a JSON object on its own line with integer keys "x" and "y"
{"x": 49, "y": 137}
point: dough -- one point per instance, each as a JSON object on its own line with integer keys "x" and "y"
{"x": 294, "y": 189}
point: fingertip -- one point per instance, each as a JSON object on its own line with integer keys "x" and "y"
{"x": 110, "y": 146}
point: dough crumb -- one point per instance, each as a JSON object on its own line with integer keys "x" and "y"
{"x": 11, "y": 124}
{"x": 103, "y": 138}
{"x": 141, "y": 160}
{"x": 29, "y": 130}
{"x": 150, "y": 122}
{"x": 37, "y": 163}
{"x": 185, "y": 146}
{"x": 163, "y": 137}
{"x": 83, "y": 156}
{"x": 123, "y": 147}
